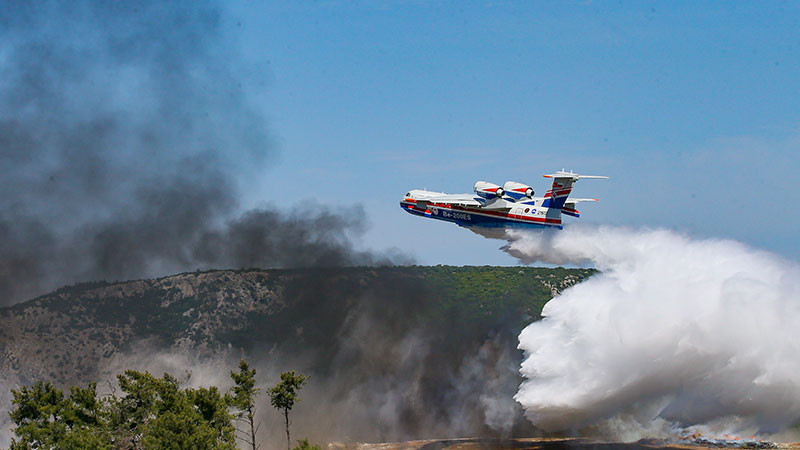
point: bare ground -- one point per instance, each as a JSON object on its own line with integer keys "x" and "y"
{"x": 553, "y": 444}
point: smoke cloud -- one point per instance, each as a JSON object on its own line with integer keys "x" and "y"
{"x": 388, "y": 364}
{"x": 397, "y": 402}
{"x": 674, "y": 333}
{"x": 126, "y": 138}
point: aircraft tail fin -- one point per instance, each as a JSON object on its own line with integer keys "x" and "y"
{"x": 563, "y": 181}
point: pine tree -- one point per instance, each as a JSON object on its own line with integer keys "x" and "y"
{"x": 46, "y": 419}
{"x": 284, "y": 395}
{"x": 243, "y": 398}
{"x": 152, "y": 413}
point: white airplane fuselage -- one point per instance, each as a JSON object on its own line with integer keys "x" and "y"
{"x": 498, "y": 213}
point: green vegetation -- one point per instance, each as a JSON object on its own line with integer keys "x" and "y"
{"x": 489, "y": 293}
{"x": 283, "y": 396}
{"x": 243, "y": 397}
{"x": 150, "y": 412}
{"x": 303, "y": 444}
{"x": 157, "y": 413}
{"x": 46, "y": 419}
{"x": 484, "y": 297}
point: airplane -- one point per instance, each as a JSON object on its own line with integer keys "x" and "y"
{"x": 510, "y": 206}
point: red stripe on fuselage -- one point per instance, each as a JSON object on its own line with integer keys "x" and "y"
{"x": 497, "y": 214}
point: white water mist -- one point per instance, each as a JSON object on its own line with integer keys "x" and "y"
{"x": 673, "y": 333}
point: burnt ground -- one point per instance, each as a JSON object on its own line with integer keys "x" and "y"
{"x": 556, "y": 444}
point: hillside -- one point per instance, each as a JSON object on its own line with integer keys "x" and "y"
{"x": 393, "y": 352}
{"x": 65, "y": 335}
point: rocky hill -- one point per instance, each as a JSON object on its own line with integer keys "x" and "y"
{"x": 65, "y": 336}
{"x": 393, "y": 353}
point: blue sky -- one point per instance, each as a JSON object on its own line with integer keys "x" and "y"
{"x": 691, "y": 107}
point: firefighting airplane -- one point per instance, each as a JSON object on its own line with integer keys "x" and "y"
{"x": 492, "y": 206}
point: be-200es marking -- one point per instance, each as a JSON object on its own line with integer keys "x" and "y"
{"x": 456, "y": 215}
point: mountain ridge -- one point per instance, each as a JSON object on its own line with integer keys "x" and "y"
{"x": 67, "y": 335}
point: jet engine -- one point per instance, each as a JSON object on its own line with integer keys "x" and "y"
{"x": 488, "y": 190}
{"x": 517, "y": 190}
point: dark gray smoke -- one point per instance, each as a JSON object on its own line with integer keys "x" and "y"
{"x": 389, "y": 359}
{"x": 125, "y": 140}
{"x": 124, "y": 134}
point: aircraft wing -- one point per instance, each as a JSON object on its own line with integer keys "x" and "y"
{"x": 574, "y": 176}
{"x": 451, "y": 199}
{"x": 475, "y": 202}
{"x": 496, "y": 205}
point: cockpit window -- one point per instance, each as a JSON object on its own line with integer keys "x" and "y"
{"x": 408, "y": 194}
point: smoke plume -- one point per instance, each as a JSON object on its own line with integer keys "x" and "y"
{"x": 388, "y": 363}
{"x": 673, "y": 333}
{"x": 126, "y": 138}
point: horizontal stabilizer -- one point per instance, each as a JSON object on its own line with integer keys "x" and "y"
{"x": 570, "y": 204}
{"x": 573, "y": 176}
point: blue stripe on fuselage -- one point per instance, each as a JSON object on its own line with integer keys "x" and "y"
{"x": 468, "y": 219}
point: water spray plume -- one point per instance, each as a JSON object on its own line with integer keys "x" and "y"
{"x": 672, "y": 334}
